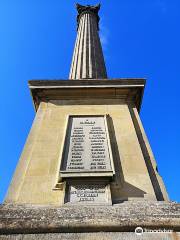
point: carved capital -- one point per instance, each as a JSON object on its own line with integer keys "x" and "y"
{"x": 87, "y": 9}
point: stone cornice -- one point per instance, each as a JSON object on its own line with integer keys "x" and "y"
{"x": 129, "y": 90}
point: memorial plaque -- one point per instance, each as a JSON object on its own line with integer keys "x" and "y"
{"x": 88, "y": 193}
{"x": 87, "y": 148}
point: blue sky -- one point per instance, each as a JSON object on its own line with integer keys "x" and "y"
{"x": 140, "y": 39}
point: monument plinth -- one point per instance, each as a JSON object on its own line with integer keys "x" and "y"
{"x": 87, "y": 170}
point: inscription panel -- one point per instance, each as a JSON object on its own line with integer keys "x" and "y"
{"x": 88, "y": 193}
{"x": 87, "y": 147}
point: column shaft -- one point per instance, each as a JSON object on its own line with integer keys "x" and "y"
{"x": 88, "y": 61}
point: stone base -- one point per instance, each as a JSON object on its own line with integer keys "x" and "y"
{"x": 92, "y": 236}
{"x": 90, "y": 222}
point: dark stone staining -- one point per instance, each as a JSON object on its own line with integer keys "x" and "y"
{"x": 120, "y": 217}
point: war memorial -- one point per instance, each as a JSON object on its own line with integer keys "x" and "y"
{"x": 87, "y": 170}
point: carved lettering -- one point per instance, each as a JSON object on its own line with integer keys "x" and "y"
{"x": 87, "y": 147}
{"x": 95, "y": 193}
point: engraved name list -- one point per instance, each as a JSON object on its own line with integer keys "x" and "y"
{"x": 86, "y": 146}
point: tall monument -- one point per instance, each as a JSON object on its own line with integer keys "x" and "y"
{"x": 88, "y": 60}
{"x": 87, "y": 170}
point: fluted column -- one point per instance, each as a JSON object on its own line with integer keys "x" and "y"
{"x": 88, "y": 61}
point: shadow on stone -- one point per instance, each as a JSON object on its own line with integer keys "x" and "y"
{"x": 147, "y": 158}
{"x": 125, "y": 189}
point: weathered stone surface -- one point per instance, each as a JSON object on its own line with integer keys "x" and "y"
{"x": 92, "y": 236}
{"x": 121, "y": 217}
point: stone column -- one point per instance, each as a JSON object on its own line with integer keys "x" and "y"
{"x": 88, "y": 61}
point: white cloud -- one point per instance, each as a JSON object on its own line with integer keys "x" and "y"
{"x": 104, "y": 35}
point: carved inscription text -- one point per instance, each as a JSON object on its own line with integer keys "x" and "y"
{"x": 87, "y": 147}
{"x": 88, "y": 193}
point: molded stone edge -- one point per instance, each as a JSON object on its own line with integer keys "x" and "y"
{"x": 45, "y": 90}
{"x": 123, "y": 217}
